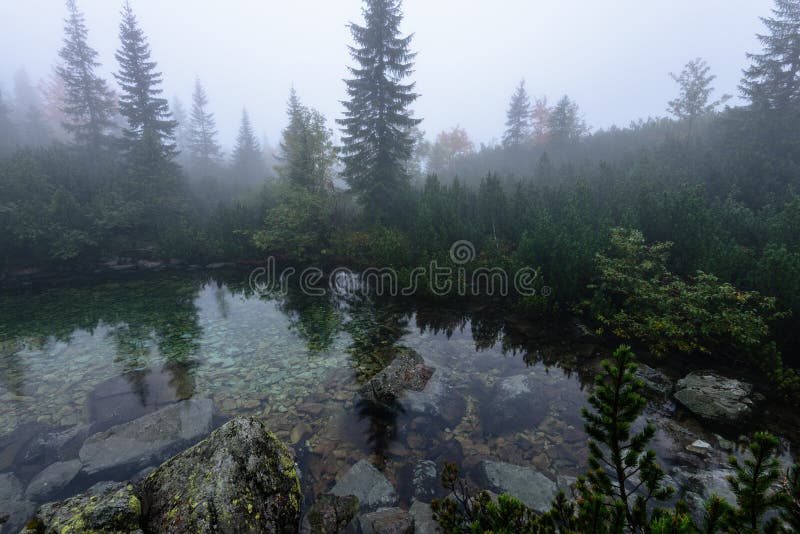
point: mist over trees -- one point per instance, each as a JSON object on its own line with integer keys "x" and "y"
{"x": 107, "y": 168}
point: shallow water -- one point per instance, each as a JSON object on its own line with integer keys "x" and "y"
{"x": 503, "y": 388}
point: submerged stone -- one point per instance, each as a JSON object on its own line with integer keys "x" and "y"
{"x": 240, "y": 479}
{"x": 147, "y": 440}
{"x": 387, "y": 521}
{"x": 525, "y": 483}
{"x": 370, "y": 487}
{"x": 53, "y": 479}
{"x": 331, "y": 514}
{"x": 14, "y": 508}
{"x": 715, "y": 397}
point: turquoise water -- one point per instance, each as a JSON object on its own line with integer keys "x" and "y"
{"x": 503, "y": 388}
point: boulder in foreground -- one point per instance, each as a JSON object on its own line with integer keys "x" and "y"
{"x": 240, "y": 479}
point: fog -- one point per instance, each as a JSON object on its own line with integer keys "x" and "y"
{"x": 613, "y": 58}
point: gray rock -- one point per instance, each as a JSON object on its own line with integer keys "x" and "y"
{"x": 331, "y": 514}
{"x": 700, "y": 447}
{"x": 149, "y": 439}
{"x": 516, "y": 403}
{"x": 370, "y": 487}
{"x": 525, "y": 483}
{"x": 654, "y": 380}
{"x": 425, "y": 481}
{"x": 437, "y": 399}
{"x": 240, "y": 479}
{"x": 118, "y": 510}
{"x": 698, "y": 487}
{"x": 387, "y": 521}
{"x": 423, "y": 518}
{"x": 715, "y": 397}
{"x": 406, "y": 372}
{"x": 52, "y": 479}
{"x": 13, "y": 505}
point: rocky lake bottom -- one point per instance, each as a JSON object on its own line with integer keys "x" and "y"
{"x": 102, "y": 382}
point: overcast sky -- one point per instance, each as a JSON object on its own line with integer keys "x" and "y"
{"x": 612, "y": 56}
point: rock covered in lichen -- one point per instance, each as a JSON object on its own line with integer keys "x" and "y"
{"x": 118, "y": 509}
{"x": 240, "y": 479}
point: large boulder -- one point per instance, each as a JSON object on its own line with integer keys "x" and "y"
{"x": 525, "y": 483}
{"x": 714, "y": 397}
{"x": 370, "y": 487}
{"x": 118, "y": 509}
{"x": 129, "y": 447}
{"x": 406, "y": 372}
{"x": 240, "y": 479}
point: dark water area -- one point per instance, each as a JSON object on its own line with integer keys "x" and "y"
{"x": 75, "y": 361}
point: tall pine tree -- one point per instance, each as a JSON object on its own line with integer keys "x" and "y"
{"x": 147, "y": 114}
{"x": 518, "y": 118}
{"x": 202, "y": 133}
{"x": 377, "y": 123}
{"x": 247, "y": 161}
{"x": 773, "y": 79}
{"x": 88, "y": 104}
{"x": 565, "y": 122}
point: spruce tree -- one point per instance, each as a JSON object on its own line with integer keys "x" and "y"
{"x": 773, "y": 78}
{"x": 145, "y": 111}
{"x": 565, "y": 123}
{"x": 88, "y": 104}
{"x": 247, "y": 161}
{"x": 201, "y": 139}
{"x": 518, "y": 118}
{"x": 307, "y": 154}
{"x": 377, "y": 123}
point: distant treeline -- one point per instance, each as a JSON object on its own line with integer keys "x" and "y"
{"x": 720, "y": 185}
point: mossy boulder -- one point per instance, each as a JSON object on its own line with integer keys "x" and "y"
{"x": 117, "y": 509}
{"x": 240, "y": 479}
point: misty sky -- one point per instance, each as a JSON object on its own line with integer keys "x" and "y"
{"x": 612, "y": 56}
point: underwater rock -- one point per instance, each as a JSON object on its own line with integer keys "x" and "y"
{"x": 423, "y": 518}
{"x": 331, "y": 514}
{"x": 406, "y": 372}
{"x": 131, "y": 395}
{"x": 118, "y": 510}
{"x": 387, "y": 521}
{"x": 14, "y": 509}
{"x": 425, "y": 480}
{"x": 438, "y": 399}
{"x": 149, "y": 439}
{"x": 240, "y": 479}
{"x": 52, "y": 479}
{"x": 370, "y": 487}
{"x": 525, "y": 483}
{"x": 715, "y": 397}
{"x": 516, "y": 403}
